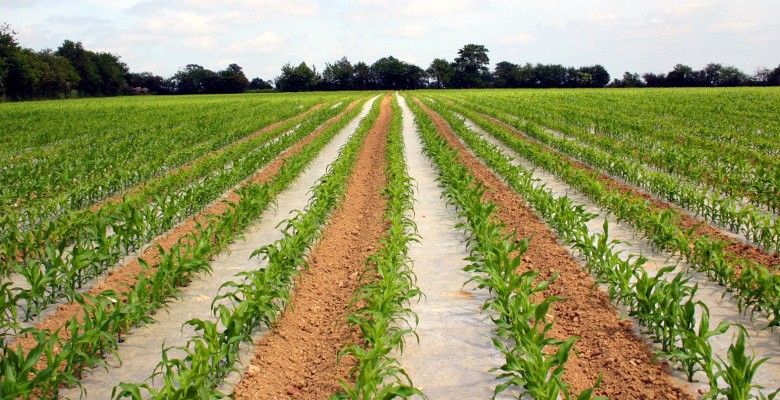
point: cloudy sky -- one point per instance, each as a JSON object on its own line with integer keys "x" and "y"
{"x": 262, "y": 35}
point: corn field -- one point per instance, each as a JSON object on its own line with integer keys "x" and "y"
{"x": 529, "y": 244}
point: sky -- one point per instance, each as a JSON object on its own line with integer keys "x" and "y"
{"x": 262, "y": 35}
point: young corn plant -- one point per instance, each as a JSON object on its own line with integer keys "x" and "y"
{"x": 387, "y": 293}
{"x": 521, "y": 317}
{"x": 258, "y": 298}
{"x": 641, "y": 295}
{"x": 738, "y": 372}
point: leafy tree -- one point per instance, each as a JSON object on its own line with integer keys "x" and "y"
{"x": 8, "y": 51}
{"x": 654, "y": 80}
{"x": 231, "y": 80}
{"x": 101, "y": 74}
{"x": 441, "y": 73}
{"x": 153, "y": 83}
{"x": 599, "y": 77}
{"x": 339, "y": 75}
{"x": 193, "y": 79}
{"x": 361, "y": 77}
{"x": 681, "y": 76}
{"x": 112, "y": 74}
{"x": 506, "y": 75}
{"x": 718, "y": 75}
{"x": 629, "y": 80}
{"x": 297, "y": 79}
{"x": 259, "y": 84}
{"x": 551, "y": 76}
{"x": 59, "y": 78}
{"x": 90, "y": 81}
{"x": 773, "y": 77}
{"x": 471, "y": 67}
{"x": 390, "y": 73}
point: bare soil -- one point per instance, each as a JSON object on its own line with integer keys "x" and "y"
{"x": 124, "y": 277}
{"x": 607, "y": 343}
{"x": 298, "y": 358}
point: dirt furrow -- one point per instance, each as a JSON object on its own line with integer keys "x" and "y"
{"x": 124, "y": 277}
{"x": 734, "y": 248}
{"x": 607, "y": 344}
{"x": 298, "y": 359}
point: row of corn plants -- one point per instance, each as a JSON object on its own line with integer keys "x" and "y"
{"x": 259, "y": 297}
{"x": 610, "y": 156}
{"x": 20, "y": 240}
{"x": 384, "y": 316}
{"x": 63, "y": 268}
{"x": 113, "y": 149}
{"x": 665, "y": 307}
{"x": 756, "y": 288}
{"x": 534, "y": 361}
{"x": 109, "y": 315}
{"x": 728, "y": 156}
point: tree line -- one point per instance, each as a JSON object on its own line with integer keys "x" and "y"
{"x": 73, "y": 71}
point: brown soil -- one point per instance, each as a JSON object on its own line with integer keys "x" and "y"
{"x": 607, "y": 344}
{"x": 118, "y": 197}
{"x": 735, "y": 249}
{"x": 298, "y": 358}
{"x": 123, "y": 277}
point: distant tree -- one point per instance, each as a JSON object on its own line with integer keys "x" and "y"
{"x": 506, "y": 75}
{"x": 259, "y": 84}
{"x": 230, "y": 80}
{"x": 526, "y": 76}
{"x": 8, "y": 51}
{"x": 339, "y": 75}
{"x": 297, "y": 79}
{"x": 471, "y": 67}
{"x": 59, "y": 78}
{"x": 193, "y": 79}
{"x": 414, "y": 77}
{"x": 151, "y": 82}
{"x": 441, "y": 73}
{"x": 390, "y": 73}
{"x": 654, "y": 80}
{"x": 551, "y": 76}
{"x": 680, "y": 76}
{"x": 90, "y": 82}
{"x": 773, "y": 77}
{"x": 361, "y": 76}
{"x": 629, "y": 80}
{"x": 101, "y": 74}
{"x": 598, "y": 76}
{"x": 112, "y": 74}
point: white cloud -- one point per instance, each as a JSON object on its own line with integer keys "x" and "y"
{"x": 200, "y": 42}
{"x": 737, "y": 26}
{"x": 184, "y": 23}
{"x": 686, "y": 10}
{"x": 517, "y": 39}
{"x": 409, "y": 31}
{"x": 265, "y": 43}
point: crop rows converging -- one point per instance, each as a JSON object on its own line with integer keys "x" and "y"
{"x": 570, "y": 244}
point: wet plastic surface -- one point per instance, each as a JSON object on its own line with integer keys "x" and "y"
{"x": 455, "y": 351}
